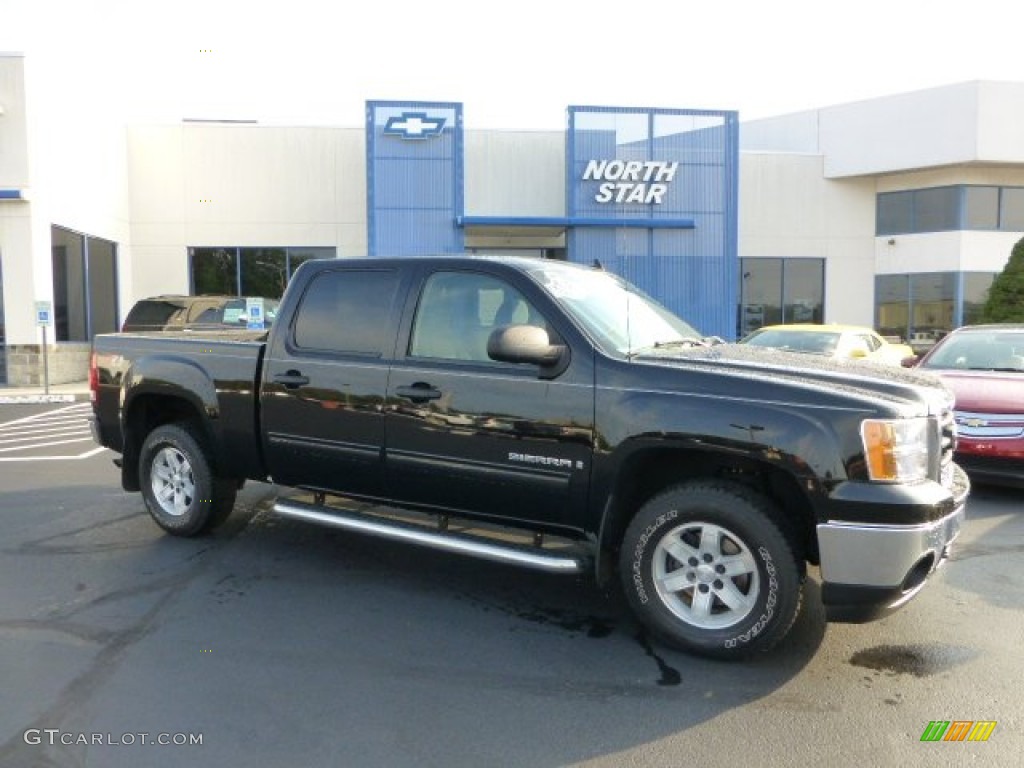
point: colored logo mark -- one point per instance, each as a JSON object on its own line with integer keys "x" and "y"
{"x": 414, "y": 125}
{"x": 958, "y": 730}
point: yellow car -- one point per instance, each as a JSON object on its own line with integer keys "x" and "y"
{"x": 838, "y": 341}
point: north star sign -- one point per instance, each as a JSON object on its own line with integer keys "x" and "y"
{"x": 631, "y": 181}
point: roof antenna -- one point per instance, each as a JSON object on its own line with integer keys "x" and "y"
{"x": 598, "y": 265}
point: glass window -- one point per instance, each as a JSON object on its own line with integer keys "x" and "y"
{"x": 249, "y": 271}
{"x": 892, "y": 305}
{"x": 296, "y": 256}
{"x": 263, "y": 272}
{"x": 942, "y": 209}
{"x": 102, "y": 286}
{"x": 981, "y": 207}
{"x": 1011, "y": 209}
{"x": 68, "y": 285}
{"x": 458, "y": 311}
{"x": 777, "y": 291}
{"x": 84, "y": 285}
{"x": 215, "y": 270}
{"x": 348, "y": 311}
{"x": 933, "y": 295}
{"x": 895, "y": 213}
{"x": 936, "y": 210}
{"x": 803, "y": 287}
{"x": 976, "y": 285}
{"x": 760, "y": 294}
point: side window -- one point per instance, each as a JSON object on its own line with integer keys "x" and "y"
{"x": 458, "y": 311}
{"x": 348, "y": 311}
{"x": 860, "y": 343}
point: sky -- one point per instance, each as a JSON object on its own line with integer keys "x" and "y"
{"x": 514, "y": 65}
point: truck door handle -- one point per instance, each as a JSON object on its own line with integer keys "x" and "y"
{"x": 418, "y": 392}
{"x": 291, "y": 379}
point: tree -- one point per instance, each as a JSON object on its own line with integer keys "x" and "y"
{"x": 1005, "y": 303}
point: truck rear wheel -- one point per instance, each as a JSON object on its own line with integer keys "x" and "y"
{"x": 178, "y": 485}
{"x": 706, "y": 569}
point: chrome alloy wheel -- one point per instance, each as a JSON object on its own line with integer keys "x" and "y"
{"x": 706, "y": 575}
{"x": 173, "y": 485}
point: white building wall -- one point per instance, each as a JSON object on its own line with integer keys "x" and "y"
{"x": 67, "y": 149}
{"x": 953, "y": 125}
{"x": 200, "y": 184}
{"x": 788, "y": 209}
{"x": 19, "y": 279}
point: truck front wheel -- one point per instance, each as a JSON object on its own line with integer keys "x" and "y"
{"x": 181, "y": 492}
{"x": 706, "y": 569}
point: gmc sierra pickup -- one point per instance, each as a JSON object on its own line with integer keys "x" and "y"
{"x": 551, "y": 416}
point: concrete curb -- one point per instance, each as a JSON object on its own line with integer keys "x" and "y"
{"x": 74, "y": 392}
{"x": 51, "y": 398}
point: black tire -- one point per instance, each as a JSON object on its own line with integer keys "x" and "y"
{"x": 181, "y": 492}
{"x": 730, "y": 587}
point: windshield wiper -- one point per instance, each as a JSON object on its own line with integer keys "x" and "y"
{"x": 689, "y": 341}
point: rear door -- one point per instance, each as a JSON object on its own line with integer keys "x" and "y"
{"x": 472, "y": 435}
{"x": 325, "y": 379}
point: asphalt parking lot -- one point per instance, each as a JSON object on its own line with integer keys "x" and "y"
{"x": 278, "y": 643}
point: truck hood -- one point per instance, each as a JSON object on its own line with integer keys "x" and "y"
{"x": 907, "y": 389}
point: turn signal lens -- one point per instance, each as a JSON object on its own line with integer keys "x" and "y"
{"x": 896, "y": 450}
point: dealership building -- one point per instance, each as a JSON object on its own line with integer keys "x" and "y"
{"x": 894, "y": 212}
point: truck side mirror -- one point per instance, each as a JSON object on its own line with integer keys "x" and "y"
{"x": 524, "y": 344}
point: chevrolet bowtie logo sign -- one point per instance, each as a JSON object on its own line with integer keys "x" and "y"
{"x": 973, "y": 423}
{"x": 414, "y": 125}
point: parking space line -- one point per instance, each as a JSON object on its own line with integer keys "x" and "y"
{"x": 47, "y": 430}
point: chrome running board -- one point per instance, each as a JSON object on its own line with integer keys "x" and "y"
{"x": 462, "y": 543}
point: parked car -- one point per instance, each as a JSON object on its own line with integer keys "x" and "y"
{"x": 174, "y": 312}
{"x": 837, "y": 341}
{"x": 984, "y": 367}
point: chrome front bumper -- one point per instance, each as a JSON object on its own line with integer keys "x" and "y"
{"x": 859, "y": 554}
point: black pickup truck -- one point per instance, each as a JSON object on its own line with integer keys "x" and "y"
{"x": 552, "y": 416}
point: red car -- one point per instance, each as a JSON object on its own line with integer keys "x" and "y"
{"x": 984, "y": 367}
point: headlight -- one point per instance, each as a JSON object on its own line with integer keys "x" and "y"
{"x": 896, "y": 450}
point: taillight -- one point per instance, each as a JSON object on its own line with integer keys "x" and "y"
{"x": 94, "y": 378}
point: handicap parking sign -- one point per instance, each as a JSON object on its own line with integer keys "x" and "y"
{"x": 44, "y": 313}
{"x": 254, "y": 317}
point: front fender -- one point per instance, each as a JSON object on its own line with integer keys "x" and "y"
{"x": 801, "y": 439}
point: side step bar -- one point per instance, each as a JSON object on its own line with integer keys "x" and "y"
{"x": 448, "y": 541}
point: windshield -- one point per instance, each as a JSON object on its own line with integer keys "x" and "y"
{"x": 815, "y": 342}
{"x": 979, "y": 351}
{"x": 616, "y": 314}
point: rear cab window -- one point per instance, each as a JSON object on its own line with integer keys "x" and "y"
{"x": 348, "y": 311}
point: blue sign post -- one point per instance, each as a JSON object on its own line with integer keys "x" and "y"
{"x": 44, "y": 318}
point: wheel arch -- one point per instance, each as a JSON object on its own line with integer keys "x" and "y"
{"x": 648, "y": 471}
{"x": 145, "y": 412}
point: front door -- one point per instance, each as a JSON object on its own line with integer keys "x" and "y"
{"x": 468, "y": 434}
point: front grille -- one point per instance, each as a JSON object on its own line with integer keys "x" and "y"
{"x": 990, "y": 426}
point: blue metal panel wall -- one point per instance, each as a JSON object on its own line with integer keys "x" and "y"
{"x": 692, "y": 268}
{"x": 414, "y": 178}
